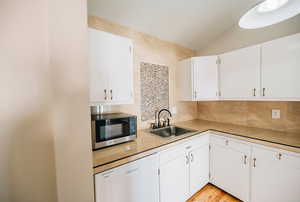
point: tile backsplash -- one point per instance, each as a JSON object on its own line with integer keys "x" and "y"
{"x": 253, "y": 113}
{"x": 154, "y": 89}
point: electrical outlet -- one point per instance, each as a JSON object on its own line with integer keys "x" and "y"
{"x": 275, "y": 113}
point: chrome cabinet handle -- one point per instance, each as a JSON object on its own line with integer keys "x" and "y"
{"x": 254, "y": 162}
{"x": 192, "y": 157}
{"x": 195, "y": 93}
{"x": 245, "y": 159}
{"x": 105, "y": 94}
{"x": 111, "y": 94}
{"x": 131, "y": 171}
{"x": 264, "y": 91}
{"x": 279, "y": 156}
{"x": 254, "y": 92}
{"x": 187, "y": 159}
{"x": 108, "y": 174}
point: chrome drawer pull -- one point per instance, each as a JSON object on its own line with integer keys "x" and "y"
{"x": 254, "y": 162}
{"x": 192, "y": 157}
{"x": 105, "y": 94}
{"x": 187, "y": 159}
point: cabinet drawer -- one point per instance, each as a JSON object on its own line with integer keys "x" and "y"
{"x": 172, "y": 153}
{"x": 230, "y": 143}
{"x": 197, "y": 142}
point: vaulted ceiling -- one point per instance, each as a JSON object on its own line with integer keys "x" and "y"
{"x": 190, "y": 23}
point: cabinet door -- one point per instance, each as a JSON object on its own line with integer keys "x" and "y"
{"x": 111, "y": 68}
{"x": 107, "y": 184}
{"x": 199, "y": 168}
{"x": 140, "y": 180}
{"x": 99, "y": 63}
{"x": 280, "y": 68}
{"x": 240, "y": 74}
{"x": 205, "y": 78}
{"x": 230, "y": 171}
{"x": 184, "y": 80}
{"x": 174, "y": 177}
{"x": 275, "y": 178}
{"x": 121, "y": 72}
{"x": 148, "y": 190}
{"x": 133, "y": 182}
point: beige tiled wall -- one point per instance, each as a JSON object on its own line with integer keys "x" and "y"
{"x": 253, "y": 114}
{"x": 151, "y": 50}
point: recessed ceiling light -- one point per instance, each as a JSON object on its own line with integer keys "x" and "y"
{"x": 269, "y": 12}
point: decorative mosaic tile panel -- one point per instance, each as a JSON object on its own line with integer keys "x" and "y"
{"x": 154, "y": 89}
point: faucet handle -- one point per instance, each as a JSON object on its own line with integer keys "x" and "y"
{"x": 164, "y": 123}
{"x": 152, "y": 125}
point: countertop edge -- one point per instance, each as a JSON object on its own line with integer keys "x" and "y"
{"x": 150, "y": 151}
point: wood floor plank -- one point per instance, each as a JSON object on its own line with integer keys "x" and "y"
{"x": 210, "y": 193}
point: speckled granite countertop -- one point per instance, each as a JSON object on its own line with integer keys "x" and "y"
{"x": 147, "y": 143}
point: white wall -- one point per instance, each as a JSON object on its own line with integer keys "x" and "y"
{"x": 45, "y": 147}
{"x": 236, "y": 37}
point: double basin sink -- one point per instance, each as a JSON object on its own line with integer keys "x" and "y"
{"x": 169, "y": 131}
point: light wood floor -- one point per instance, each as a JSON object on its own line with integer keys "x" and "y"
{"x": 210, "y": 193}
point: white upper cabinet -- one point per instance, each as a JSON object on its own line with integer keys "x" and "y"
{"x": 111, "y": 68}
{"x": 239, "y": 74}
{"x": 205, "y": 77}
{"x": 269, "y": 71}
{"x": 281, "y": 68}
{"x": 197, "y": 79}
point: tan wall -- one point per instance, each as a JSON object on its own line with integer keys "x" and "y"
{"x": 253, "y": 114}
{"x": 45, "y": 144}
{"x": 152, "y": 50}
{"x": 27, "y": 167}
{"x": 236, "y": 37}
{"x": 70, "y": 106}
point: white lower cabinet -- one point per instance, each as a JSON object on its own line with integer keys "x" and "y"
{"x": 248, "y": 171}
{"x": 133, "y": 182}
{"x": 229, "y": 161}
{"x": 199, "y": 165}
{"x": 275, "y": 175}
{"x": 184, "y": 170}
{"x": 173, "y": 178}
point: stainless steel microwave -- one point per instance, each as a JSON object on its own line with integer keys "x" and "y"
{"x": 111, "y": 129}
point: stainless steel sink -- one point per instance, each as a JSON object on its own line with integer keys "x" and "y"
{"x": 170, "y": 131}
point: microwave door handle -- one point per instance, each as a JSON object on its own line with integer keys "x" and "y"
{"x": 94, "y": 134}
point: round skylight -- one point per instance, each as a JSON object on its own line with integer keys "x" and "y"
{"x": 269, "y": 12}
{"x": 270, "y": 5}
